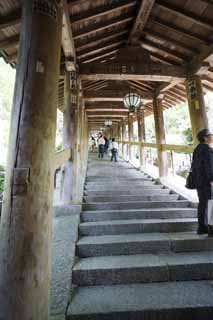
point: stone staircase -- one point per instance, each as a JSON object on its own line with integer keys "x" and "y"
{"x": 138, "y": 255}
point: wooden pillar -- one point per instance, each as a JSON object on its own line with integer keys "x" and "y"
{"x": 77, "y": 151}
{"x": 68, "y": 131}
{"x": 160, "y": 137}
{"x": 123, "y": 137}
{"x": 141, "y": 136}
{"x": 26, "y": 216}
{"x": 130, "y": 135}
{"x": 196, "y": 104}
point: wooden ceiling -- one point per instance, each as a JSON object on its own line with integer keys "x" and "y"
{"x": 175, "y": 33}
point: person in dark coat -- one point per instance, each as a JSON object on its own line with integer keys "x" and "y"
{"x": 202, "y": 171}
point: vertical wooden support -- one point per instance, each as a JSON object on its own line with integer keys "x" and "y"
{"x": 141, "y": 136}
{"x": 160, "y": 137}
{"x": 26, "y": 216}
{"x": 123, "y": 137}
{"x": 197, "y": 110}
{"x": 68, "y": 131}
{"x": 130, "y": 136}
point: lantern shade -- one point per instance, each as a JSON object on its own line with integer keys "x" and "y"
{"x": 132, "y": 101}
{"x": 108, "y": 123}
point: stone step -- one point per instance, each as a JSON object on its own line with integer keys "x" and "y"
{"x": 114, "y": 182}
{"x": 137, "y": 226}
{"x": 144, "y": 268}
{"x": 137, "y": 192}
{"x": 135, "y": 205}
{"x": 130, "y": 244}
{"x": 109, "y": 178}
{"x": 166, "y": 213}
{"x": 184, "y": 300}
{"x": 160, "y": 197}
{"x": 143, "y": 192}
{"x": 125, "y": 188}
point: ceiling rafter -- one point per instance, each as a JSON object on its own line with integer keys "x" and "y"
{"x": 103, "y": 25}
{"x": 100, "y": 39}
{"x": 184, "y": 14}
{"x": 172, "y": 41}
{"x": 101, "y": 11}
{"x": 99, "y": 56}
{"x": 141, "y": 19}
{"x": 152, "y": 45}
{"x": 99, "y": 48}
{"x": 10, "y": 19}
{"x": 181, "y": 31}
{"x": 9, "y": 42}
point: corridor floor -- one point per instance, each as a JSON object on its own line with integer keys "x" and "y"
{"x": 138, "y": 255}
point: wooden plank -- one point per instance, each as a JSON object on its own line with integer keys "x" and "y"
{"x": 141, "y": 19}
{"x": 182, "y": 13}
{"x": 11, "y": 19}
{"x": 153, "y": 45}
{"x": 103, "y": 25}
{"x": 164, "y": 38}
{"x": 196, "y": 65}
{"x": 100, "y": 39}
{"x": 9, "y": 42}
{"x": 101, "y": 11}
{"x": 61, "y": 157}
{"x": 119, "y": 71}
{"x": 67, "y": 37}
{"x": 100, "y": 48}
{"x": 113, "y": 94}
{"x": 180, "y": 31}
{"x": 99, "y": 57}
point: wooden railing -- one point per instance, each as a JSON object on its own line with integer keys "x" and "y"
{"x": 168, "y": 147}
{"x": 61, "y": 157}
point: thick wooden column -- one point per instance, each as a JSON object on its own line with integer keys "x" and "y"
{"x": 141, "y": 136}
{"x": 130, "y": 134}
{"x": 26, "y": 216}
{"x": 197, "y": 110}
{"x": 68, "y": 132}
{"x": 160, "y": 136}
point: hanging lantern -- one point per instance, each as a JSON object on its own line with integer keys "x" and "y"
{"x": 108, "y": 123}
{"x": 132, "y": 101}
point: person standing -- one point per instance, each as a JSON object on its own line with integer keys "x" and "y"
{"x": 106, "y": 146}
{"x": 114, "y": 150}
{"x": 101, "y": 146}
{"x": 202, "y": 172}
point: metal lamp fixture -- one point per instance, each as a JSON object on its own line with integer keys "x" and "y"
{"x": 108, "y": 123}
{"x": 132, "y": 101}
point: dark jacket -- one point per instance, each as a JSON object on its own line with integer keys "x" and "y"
{"x": 202, "y": 165}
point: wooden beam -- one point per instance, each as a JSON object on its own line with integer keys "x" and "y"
{"x": 165, "y": 86}
{"x": 67, "y": 38}
{"x": 196, "y": 64}
{"x": 103, "y": 25}
{"x": 106, "y": 109}
{"x": 164, "y": 38}
{"x": 182, "y": 13}
{"x": 11, "y": 19}
{"x": 180, "y": 31}
{"x": 101, "y": 11}
{"x": 107, "y": 113}
{"x": 99, "y": 48}
{"x": 100, "y": 39}
{"x": 141, "y": 19}
{"x": 9, "y": 42}
{"x": 120, "y": 71}
{"x": 148, "y": 44}
{"x": 113, "y": 94}
{"x": 99, "y": 57}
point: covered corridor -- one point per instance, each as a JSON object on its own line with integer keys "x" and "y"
{"x": 84, "y": 57}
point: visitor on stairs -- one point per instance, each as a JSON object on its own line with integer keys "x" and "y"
{"x": 101, "y": 146}
{"x": 202, "y": 171}
{"x": 114, "y": 150}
